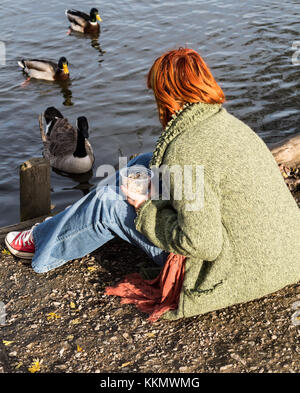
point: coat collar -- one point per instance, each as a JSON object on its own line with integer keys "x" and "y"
{"x": 184, "y": 119}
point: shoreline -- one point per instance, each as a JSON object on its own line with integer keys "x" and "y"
{"x": 63, "y": 321}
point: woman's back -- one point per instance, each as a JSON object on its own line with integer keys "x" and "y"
{"x": 258, "y": 210}
{"x": 260, "y": 218}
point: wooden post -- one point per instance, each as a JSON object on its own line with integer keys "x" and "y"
{"x": 35, "y": 197}
{"x": 287, "y": 152}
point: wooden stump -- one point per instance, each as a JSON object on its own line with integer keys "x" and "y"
{"x": 35, "y": 200}
{"x": 287, "y": 152}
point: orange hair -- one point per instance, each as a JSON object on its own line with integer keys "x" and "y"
{"x": 181, "y": 76}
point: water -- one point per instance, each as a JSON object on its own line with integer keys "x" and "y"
{"x": 248, "y": 46}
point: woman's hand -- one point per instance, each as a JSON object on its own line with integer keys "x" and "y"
{"x": 135, "y": 199}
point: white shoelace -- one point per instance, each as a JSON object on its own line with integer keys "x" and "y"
{"x": 26, "y": 237}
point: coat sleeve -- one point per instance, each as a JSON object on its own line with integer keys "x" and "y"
{"x": 172, "y": 226}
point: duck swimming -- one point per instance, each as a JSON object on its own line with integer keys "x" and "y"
{"x": 67, "y": 148}
{"x": 84, "y": 23}
{"x": 45, "y": 69}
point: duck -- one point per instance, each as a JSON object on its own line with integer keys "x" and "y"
{"x": 67, "y": 148}
{"x": 84, "y": 23}
{"x": 45, "y": 69}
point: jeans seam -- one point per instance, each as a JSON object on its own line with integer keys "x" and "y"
{"x": 72, "y": 234}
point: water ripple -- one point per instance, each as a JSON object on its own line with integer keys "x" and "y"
{"x": 248, "y": 46}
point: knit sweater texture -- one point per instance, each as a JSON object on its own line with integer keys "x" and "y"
{"x": 242, "y": 243}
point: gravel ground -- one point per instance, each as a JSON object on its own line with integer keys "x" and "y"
{"x": 61, "y": 322}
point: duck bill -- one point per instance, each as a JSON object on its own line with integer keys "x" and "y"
{"x": 98, "y": 18}
{"x": 65, "y": 68}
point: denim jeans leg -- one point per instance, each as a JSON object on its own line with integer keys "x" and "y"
{"x": 87, "y": 225}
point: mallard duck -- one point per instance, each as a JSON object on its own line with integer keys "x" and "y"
{"x": 84, "y": 23}
{"x": 45, "y": 69}
{"x": 66, "y": 148}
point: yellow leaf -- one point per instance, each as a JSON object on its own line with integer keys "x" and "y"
{"x": 150, "y": 334}
{"x": 70, "y": 337}
{"x": 5, "y": 252}
{"x": 18, "y": 365}
{"x": 35, "y": 366}
{"x": 75, "y": 321}
{"x": 72, "y": 305}
{"x": 52, "y": 315}
{"x": 6, "y": 343}
{"x": 126, "y": 364}
{"x": 92, "y": 268}
{"x": 79, "y": 349}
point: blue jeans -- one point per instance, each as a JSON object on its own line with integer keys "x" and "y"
{"x": 88, "y": 224}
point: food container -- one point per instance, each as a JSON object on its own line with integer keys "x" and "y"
{"x": 136, "y": 179}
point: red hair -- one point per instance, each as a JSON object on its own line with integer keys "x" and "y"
{"x": 181, "y": 76}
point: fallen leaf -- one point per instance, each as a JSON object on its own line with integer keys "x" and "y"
{"x": 72, "y": 305}
{"x": 150, "y": 334}
{"x": 18, "y": 365}
{"x": 6, "y": 343}
{"x": 126, "y": 364}
{"x": 75, "y": 321}
{"x": 79, "y": 349}
{"x": 52, "y": 315}
{"x": 70, "y": 337}
{"x": 92, "y": 268}
{"x": 35, "y": 366}
{"x": 5, "y": 252}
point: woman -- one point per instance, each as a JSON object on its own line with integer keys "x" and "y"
{"x": 241, "y": 244}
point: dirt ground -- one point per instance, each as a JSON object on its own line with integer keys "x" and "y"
{"x": 62, "y": 322}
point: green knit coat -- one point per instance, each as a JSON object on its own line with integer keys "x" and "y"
{"x": 243, "y": 242}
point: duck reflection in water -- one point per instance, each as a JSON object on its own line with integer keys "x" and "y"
{"x": 66, "y": 92}
{"x": 82, "y": 180}
{"x": 94, "y": 40}
{"x": 96, "y": 45}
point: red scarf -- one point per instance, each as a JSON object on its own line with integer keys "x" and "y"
{"x": 153, "y": 296}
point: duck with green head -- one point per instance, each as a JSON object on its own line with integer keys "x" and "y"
{"x": 84, "y": 23}
{"x": 45, "y": 69}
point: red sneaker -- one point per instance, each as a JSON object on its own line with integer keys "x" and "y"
{"x": 20, "y": 244}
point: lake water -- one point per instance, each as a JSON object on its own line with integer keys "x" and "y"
{"x": 247, "y": 44}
